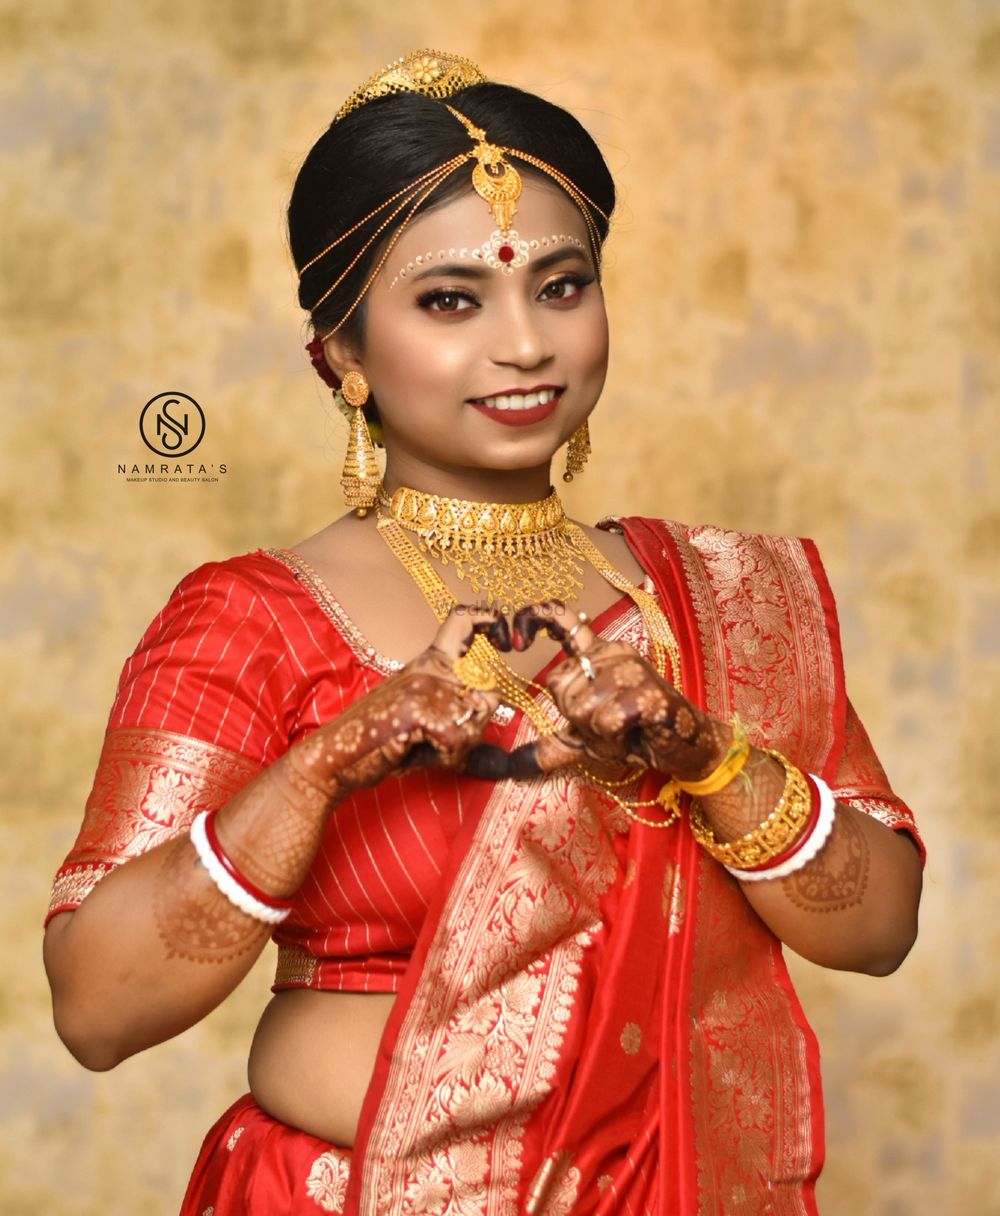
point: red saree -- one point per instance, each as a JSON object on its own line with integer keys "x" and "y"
{"x": 590, "y": 1017}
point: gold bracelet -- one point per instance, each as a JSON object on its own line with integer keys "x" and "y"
{"x": 768, "y": 839}
{"x": 731, "y": 765}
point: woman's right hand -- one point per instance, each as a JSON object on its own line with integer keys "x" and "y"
{"x": 421, "y": 716}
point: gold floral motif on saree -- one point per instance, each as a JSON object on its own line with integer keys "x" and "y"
{"x": 769, "y": 616}
{"x": 555, "y": 1187}
{"x": 149, "y": 786}
{"x": 480, "y": 1043}
{"x": 631, "y": 1038}
{"x": 328, "y": 1178}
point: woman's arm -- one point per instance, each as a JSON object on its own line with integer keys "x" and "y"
{"x": 853, "y": 907}
{"x": 156, "y": 946}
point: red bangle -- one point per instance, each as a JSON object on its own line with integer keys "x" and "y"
{"x": 271, "y": 901}
{"x": 803, "y": 836}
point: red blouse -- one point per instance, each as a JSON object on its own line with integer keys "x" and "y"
{"x": 248, "y": 656}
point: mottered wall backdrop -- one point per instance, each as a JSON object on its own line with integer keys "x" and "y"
{"x": 804, "y": 284}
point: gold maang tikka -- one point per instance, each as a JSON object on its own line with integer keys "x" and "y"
{"x": 496, "y": 181}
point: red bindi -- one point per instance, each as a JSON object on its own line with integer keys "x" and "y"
{"x": 506, "y": 254}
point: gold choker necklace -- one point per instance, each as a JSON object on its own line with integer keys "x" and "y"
{"x": 513, "y": 553}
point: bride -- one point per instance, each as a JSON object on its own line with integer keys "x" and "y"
{"x": 529, "y": 806}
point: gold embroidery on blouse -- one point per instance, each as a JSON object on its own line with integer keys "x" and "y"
{"x": 363, "y": 650}
{"x": 148, "y": 788}
{"x": 887, "y": 813}
{"x": 231, "y": 1142}
{"x": 295, "y": 966}
{"x": 328, "y": 1178}
{"x": 72, "y": 887}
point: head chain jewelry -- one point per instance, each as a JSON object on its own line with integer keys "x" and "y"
{"x": 437, "y": 75}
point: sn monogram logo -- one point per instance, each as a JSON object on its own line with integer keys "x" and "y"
{"x": 172, "y": 424}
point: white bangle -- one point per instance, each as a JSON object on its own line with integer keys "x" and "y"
{"x": 228, "y": 885}
{"x": 809, "y": 847}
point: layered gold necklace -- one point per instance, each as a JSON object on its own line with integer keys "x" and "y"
{"x": 511, "y": 553}
{"x": 517, "y": 554}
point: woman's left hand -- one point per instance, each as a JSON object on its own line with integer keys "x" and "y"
{"x": 618, "y": 708}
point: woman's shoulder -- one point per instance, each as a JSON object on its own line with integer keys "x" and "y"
{"x": 257, "y": 572}
{"x": 719, "y": 536}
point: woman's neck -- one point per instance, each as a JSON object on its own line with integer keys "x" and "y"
{"x": 475, "y": 485}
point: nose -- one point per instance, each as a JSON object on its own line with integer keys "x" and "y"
{"x": 520, "y": 337}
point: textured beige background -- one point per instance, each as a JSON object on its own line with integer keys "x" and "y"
{"x": 805, "y": 289}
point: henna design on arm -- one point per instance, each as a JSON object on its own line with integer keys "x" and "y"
{"x": 193, "y": 918}
{"x": 272, "y": 828}
{"x": 837, "y": 878}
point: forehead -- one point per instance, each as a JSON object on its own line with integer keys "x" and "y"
{"x": 543, "y": 210}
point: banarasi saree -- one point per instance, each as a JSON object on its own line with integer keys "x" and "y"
{"x": 590, "y": 1018}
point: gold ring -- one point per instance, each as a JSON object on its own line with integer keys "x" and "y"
{"x": 581, "y": 619}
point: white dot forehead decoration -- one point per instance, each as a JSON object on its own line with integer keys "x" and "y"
{"x": 501, "y": 251}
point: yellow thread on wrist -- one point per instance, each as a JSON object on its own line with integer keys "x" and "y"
{"x": 731, "y": 765}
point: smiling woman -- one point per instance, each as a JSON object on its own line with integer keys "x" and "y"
{"x": 529, "y": 806}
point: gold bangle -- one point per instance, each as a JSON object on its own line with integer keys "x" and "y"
{"x": 768, "y": 839}
{"x": 731, "y": 765}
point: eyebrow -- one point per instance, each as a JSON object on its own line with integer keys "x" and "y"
{"x": 462, "y": 270}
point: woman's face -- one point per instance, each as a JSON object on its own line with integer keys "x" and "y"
{"x": 477, "y": 369}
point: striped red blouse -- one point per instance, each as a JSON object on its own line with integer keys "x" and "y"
{"x": 248, "y": 656}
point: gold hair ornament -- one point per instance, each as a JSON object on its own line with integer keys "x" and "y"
{"x": 434, "y": 74}
{"x": 494, "y": 179}
{"x": 438, "y": 75}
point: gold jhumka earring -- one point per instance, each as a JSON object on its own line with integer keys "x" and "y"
{"x": 577, "y": 451}
{"x": 361, "y": 477}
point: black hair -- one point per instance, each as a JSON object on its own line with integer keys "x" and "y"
{"x": 377, "y": 150}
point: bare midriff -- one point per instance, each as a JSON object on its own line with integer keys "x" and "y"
{"x": 313, "y": 1057}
